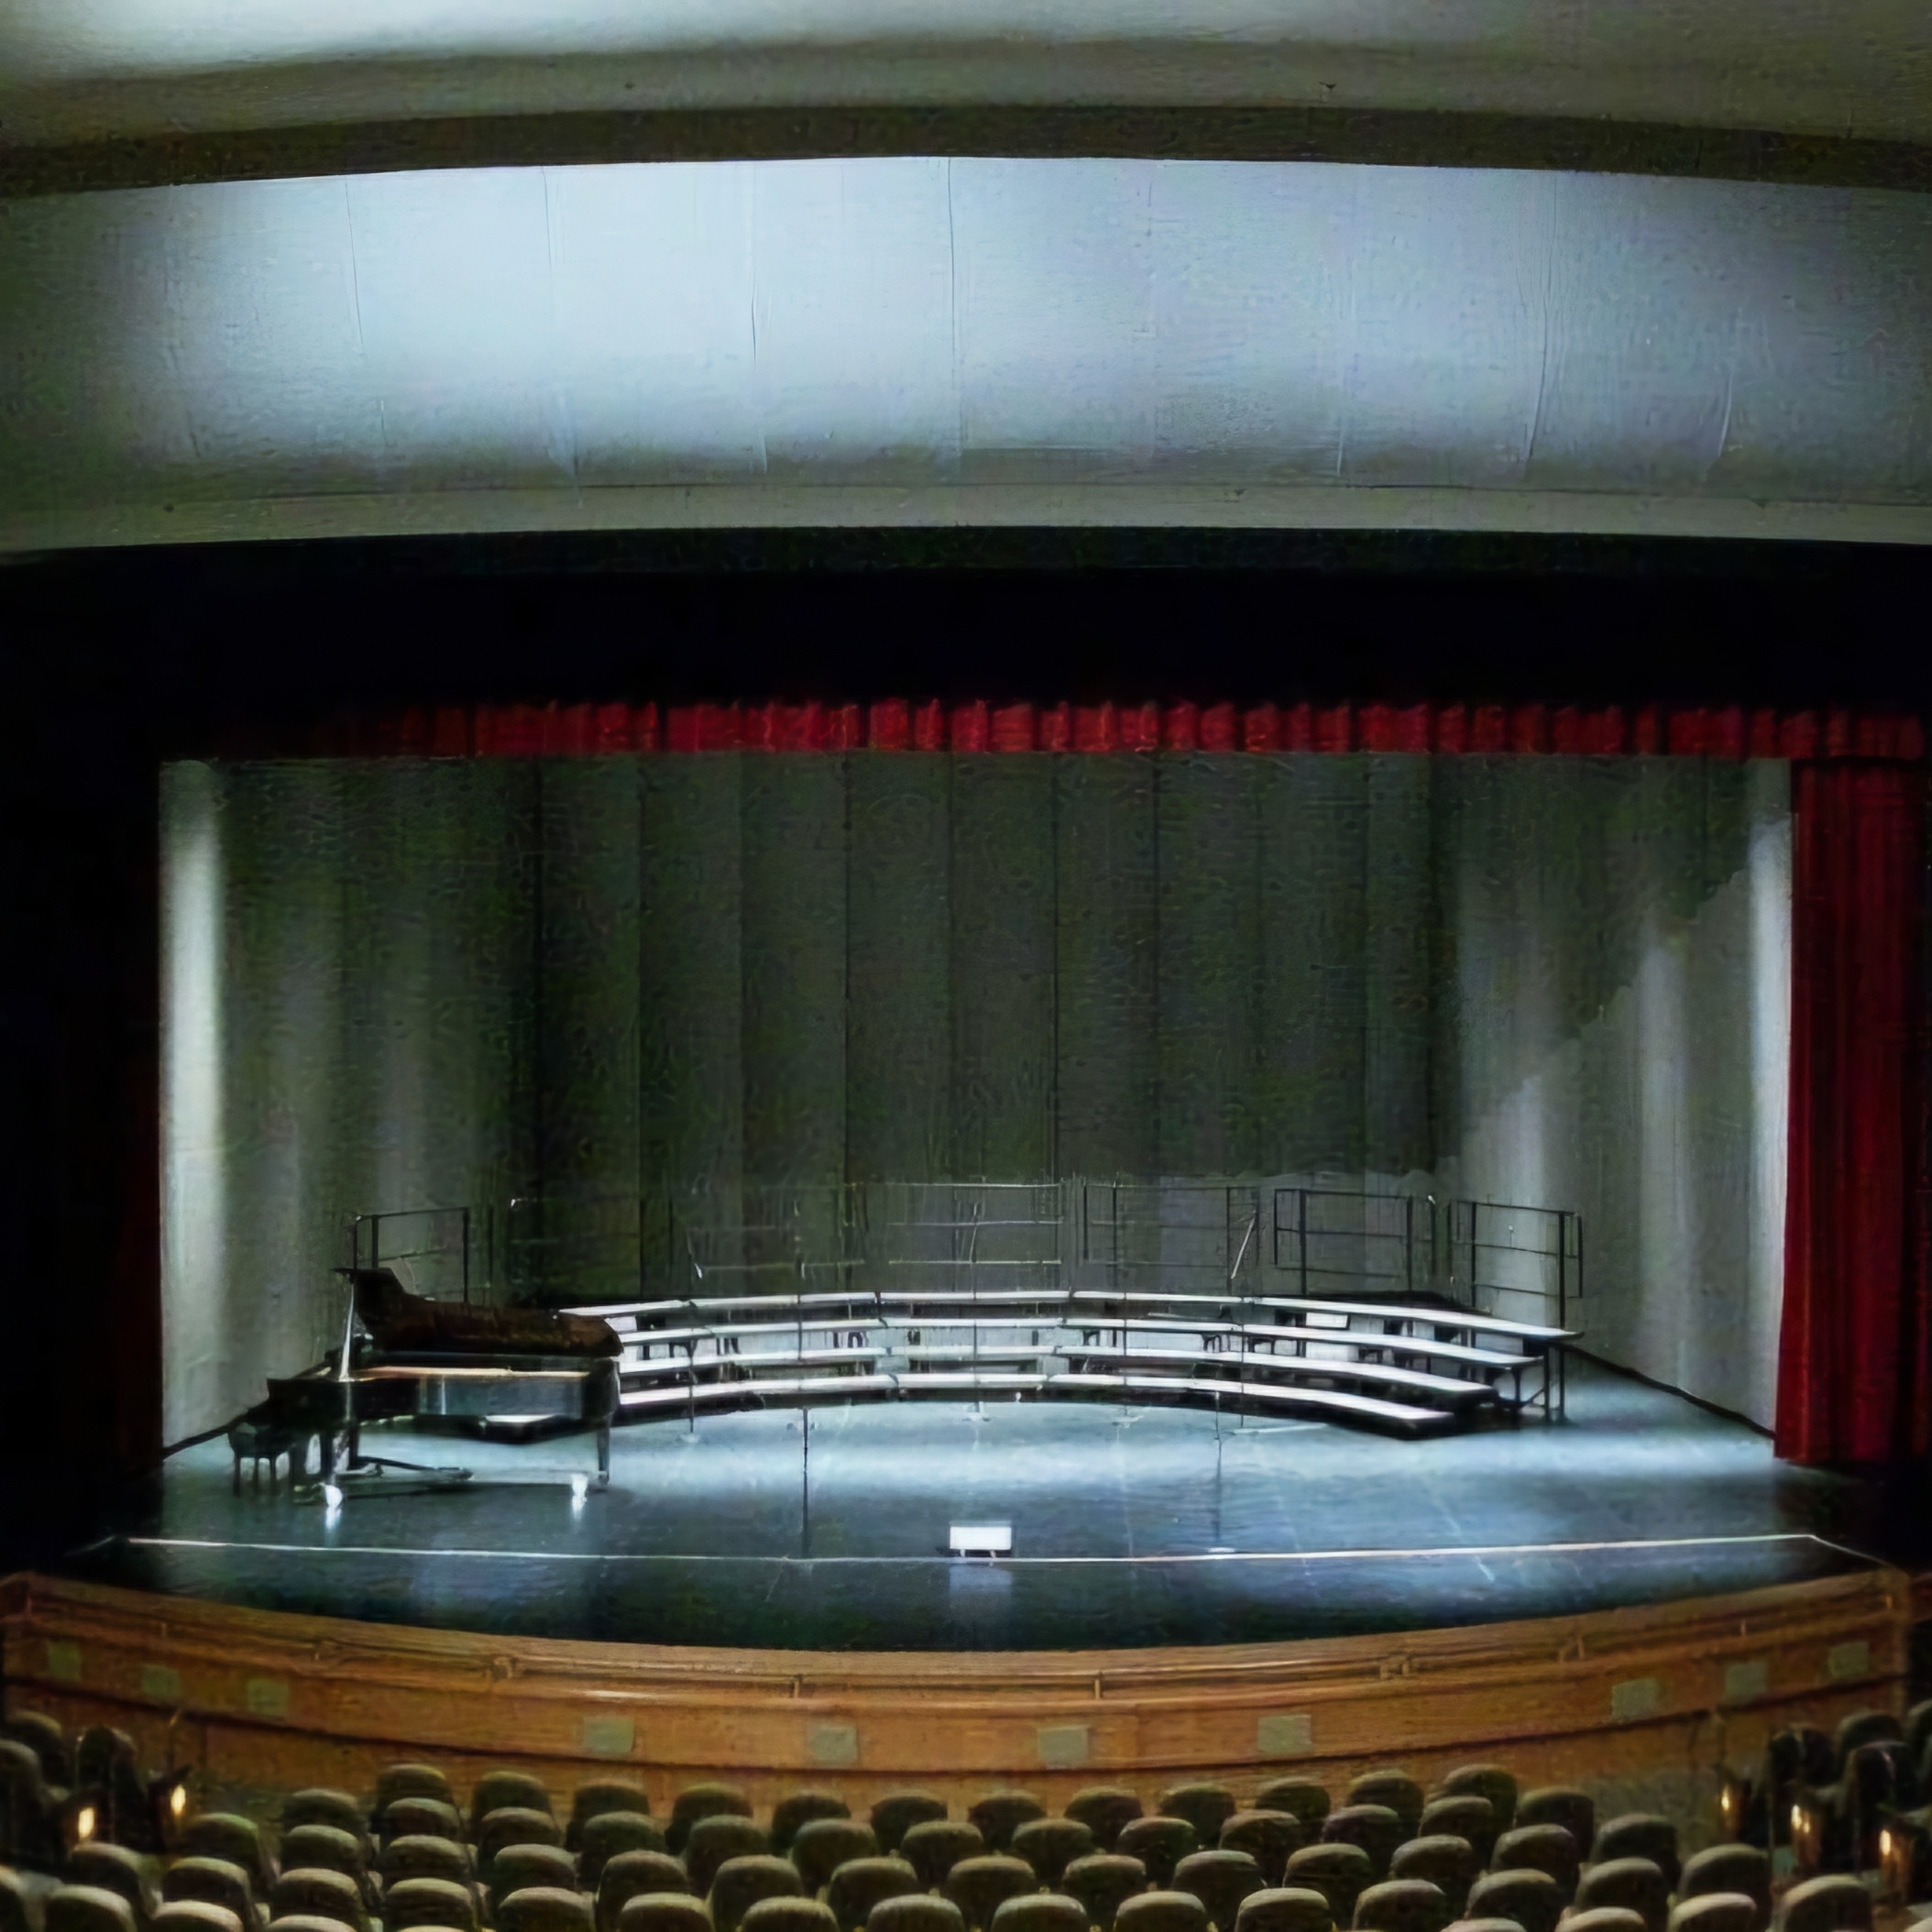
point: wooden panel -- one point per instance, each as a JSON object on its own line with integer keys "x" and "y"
{"x": 1620, "y": 1699}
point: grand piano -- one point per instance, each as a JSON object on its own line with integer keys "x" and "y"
{"x": 525, "y": 1371}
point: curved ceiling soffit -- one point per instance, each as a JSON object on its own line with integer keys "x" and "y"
{"x": 914, "y": 340}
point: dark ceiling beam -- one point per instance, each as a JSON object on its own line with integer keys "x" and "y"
{"x": 1394, "y": 137}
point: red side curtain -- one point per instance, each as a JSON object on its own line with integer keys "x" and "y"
{"x": 1855, "y": 1358}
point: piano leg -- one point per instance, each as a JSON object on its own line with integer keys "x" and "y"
{"x": 603, "y": 1456}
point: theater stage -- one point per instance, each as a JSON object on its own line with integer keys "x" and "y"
{"x": 1135, "y": 1527}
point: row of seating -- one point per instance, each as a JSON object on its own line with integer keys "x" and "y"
{"x": 1415, "y": 1860}
{"x": 1390, "y": 1858}
{"x": 1851, "y": 1801}
{"x": 55, "y": 1790}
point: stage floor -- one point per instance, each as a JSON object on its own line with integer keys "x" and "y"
{"x": 1130, "y": 1528}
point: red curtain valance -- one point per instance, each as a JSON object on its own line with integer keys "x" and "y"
{"x": 905, "y": 725}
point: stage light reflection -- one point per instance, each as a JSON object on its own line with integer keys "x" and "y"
{"x": 197, "y": 1325}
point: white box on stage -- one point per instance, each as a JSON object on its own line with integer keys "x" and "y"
{"x": 980, "y": 1540}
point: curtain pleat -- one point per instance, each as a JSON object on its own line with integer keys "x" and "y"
{"x": 899, "y": 724}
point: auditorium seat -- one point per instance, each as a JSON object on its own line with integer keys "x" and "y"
{"x": 512, "y": 1825}
{"x": 1717, "y": 1911}
{"x": 420, "y": 1856}
{"x": 1375, "y": 1828}
{"x": 1341, "y": 1872}
{"x": 635, "y": 1874}
{"x": 1484, "y": 1781}
{"x": 1639, "y": 1834}
{"x": 979, "y": 1887}
{"x": 1467, "y": 1816}
{"x": 507, "y": 1790}
{"x": 195, "y": 1914}
{"x": 1220, "y": 1879}
{"x": 1207, "y": 1807}
{"x": 1918, "y": 1728}
{"x": 410, "y": 1781}
{"x": 544, "y": 1908}
{"x": 1284, "y": 1909}
{"x": 711, "y": 1841}
{"x": 227, "y": 1836}
{"x": 1636, "y": 1884}
{"x": 113, "y": 1868}
{"x": 934, "y": 1846}
{"x": 799, "y": 1808}
{"x": 790, "y": 1914}
{"x": 1162, "y": 1912}
{"x": 1448, "y": 1863}
{"x": 895, "y": 1814}
{"x": 1101, "y": 1881}
{"x": 1532, "y": 1898}
{"x": 1403, "y": 1904}
{"x": 13, "y": 1902}
{"x": 420, "y": 1816}
{"x": 321, "y": 1806}
{"x": 428, "y": 1902}
{"x": 861, "y": 1884}
{"x": 328, "y": 1847}
{"x": 1050, "y": 1845}
{"x": 47, "y": 1739}
{"x": 317, "y": 1894}
{"x": 821, "y": 1845}
{"x": 1395, "y": 1789}
{"x": 1300, "y": 1797}
{"x": 1604, "y": 1918}
{"x": 1103, "y": 1810}
{"x": 1159, "y": 1843}
{"x": 86, "y": 1908}
{"x": 696, "y": 1802}
{"x": 1039, "y": 1912}
{"x": 1834, "y": 1903}
{"x": 740, "y": 1883}
{"x": 213, "y": 1881}
{"x": 599, "y": 1799}
{"x": 29, "y": 1829}
{"x": 1563, "y": 1804}
{"x": 663, "y": 1912}
{"x": 1730, "y": 1868}
{"x": 529, "y": 1868}
{"x": 1539, "y": 1847}
{"x": 1484, "y": 1924}
{"x": 1863, "y": 1727}
{"x": 1268, "y": 1838}
{"x": 609, "y": 1834}
{"x": 914, "y": 1912}
{"x": 1000, "y": 1812}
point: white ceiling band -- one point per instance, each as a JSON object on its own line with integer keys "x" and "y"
{"x": 965, "y": 341}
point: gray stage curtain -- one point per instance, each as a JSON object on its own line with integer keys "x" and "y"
{"x": 586, "y": 996}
